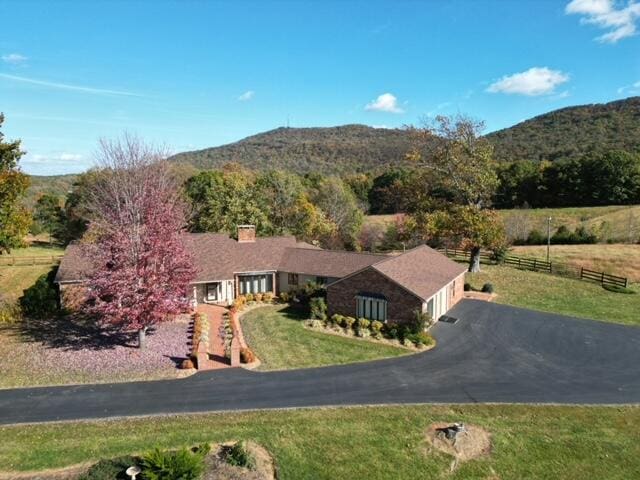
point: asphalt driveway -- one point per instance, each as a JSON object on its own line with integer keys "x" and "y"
{"x": 494, "y": 353}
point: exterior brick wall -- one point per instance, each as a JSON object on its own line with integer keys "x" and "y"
{"x": 341, "y": 297}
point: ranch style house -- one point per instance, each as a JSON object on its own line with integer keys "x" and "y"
{"x": 378, "y": 287}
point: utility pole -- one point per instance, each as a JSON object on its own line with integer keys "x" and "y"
{"x": 548, "y": 238}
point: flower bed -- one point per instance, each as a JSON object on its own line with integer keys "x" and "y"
{"x": 410, "y": 335}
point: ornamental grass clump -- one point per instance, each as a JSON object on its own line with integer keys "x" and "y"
{"x": 183, "y": 464}
{"x": 362, "y": 327}
{"x": 238, "y": 455}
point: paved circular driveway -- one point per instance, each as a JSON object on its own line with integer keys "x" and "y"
{"x": 494, "y": 353}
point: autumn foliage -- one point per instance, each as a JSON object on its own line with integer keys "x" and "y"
{"x": 142, "y": 266}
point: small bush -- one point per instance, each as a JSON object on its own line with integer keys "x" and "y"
{"x": 390, "y": 330}
{"x": 238, "y": 456}
{"x": 258, "y": 297}
{"x": 285, "y": 297}
{"x": 186, "y": 364}
{"x": 318, "y": 308}
{"x": 9, "y": 313}
{"x": 467, "y": 287}
{"x": 182, "y": 464}
{"x": 336, "y": 319}
{"x": 348, "y": 322}
{"x": 376, "y": 326}
{"x": 250, "y": 297}
{"x": 267, "y": 297}
{"x": 421, "y": 338}
{"x": 247, "y": 355}
{"x": 487, "y": 288}
{"x": 536, "y": 237}
{"x": 407, "y": 342}
{"x": 611, "y": 288}
{"x": 111, "y": 469}
{"x": 41, "y": 299}
{"x": 314, "y": 323}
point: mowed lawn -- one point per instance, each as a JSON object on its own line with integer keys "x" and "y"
{"x": 551, "y": 293}
{"x": 529, "y": 442}
{"x": 616, "y": 259}
{"x": 278, "y": 337}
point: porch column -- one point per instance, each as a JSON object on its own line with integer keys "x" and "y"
{"x": 195, "y": 296}
{"x": 273, "y": 283}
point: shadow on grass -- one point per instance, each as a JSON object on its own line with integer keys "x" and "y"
{"x": 74, "y": 333}
{"x": 296, "y": 311}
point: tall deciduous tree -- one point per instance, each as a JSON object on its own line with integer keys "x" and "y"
{"x": 48, "y": 214}
{"x": 14, "y": 218}
{"x": 454, "y": 149}
{"x": 143, "y": 267}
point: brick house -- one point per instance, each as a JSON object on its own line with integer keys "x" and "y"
{"x": 379, "y": 287}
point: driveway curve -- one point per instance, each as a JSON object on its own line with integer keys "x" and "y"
{"x": 494, "y": 353}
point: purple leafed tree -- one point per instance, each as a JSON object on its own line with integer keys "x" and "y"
{"x": 142, "y": 266}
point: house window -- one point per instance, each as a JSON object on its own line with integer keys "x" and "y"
{"x": 214, "y": 291}
{"x": 371, "y": 308}
{"x": 255, "y": 283}
{"x": 292, "y": 279}
{"x": 321, "y": 280}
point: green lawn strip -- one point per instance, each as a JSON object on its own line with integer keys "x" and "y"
{"x": 280, "y": 340}
{"x": 539, "y": 442}
{"x": 41, "y": 250}
{"x": 551, "y": 293}
{"x": 14, "y": 280}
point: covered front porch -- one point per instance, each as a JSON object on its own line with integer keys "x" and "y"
{"x": 224, "y": 292}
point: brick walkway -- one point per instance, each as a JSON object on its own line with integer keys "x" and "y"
{"x": 216, "y": 344}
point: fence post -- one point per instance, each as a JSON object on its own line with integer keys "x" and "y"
{"x": 581, "y": 272}
{"x": 602, "y": 278}
{"x": 535, "y": 267}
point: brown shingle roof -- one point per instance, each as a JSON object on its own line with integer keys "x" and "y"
{"x": 422, "y": 270}
{"x": 75, "y": 265}
{"x": 326, "y": 263}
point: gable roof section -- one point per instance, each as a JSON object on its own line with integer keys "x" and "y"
{"x": 75, "y": 265}
{"x": 326, "y": 263}
{"x": 423, "y": 271}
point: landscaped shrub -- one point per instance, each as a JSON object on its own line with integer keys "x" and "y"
{"x": 318, "y": 307}
{"x": 258, "y": 297}
{"x": 487, "y": 288}
{"x": 419, "y": 322}
{"x": 41, "y": 299}
{"x": 111, "y": 469}
{"x": 467, "y": 287}
{"x": 183, "y": 464}
{"x": 390, "y": 330}
{"x": 336, "y": 319}
{"x": 314, "y": 323}
{"x": 247, "y": 355}
{"x": 238, "y": 455}
{"x": 421, "y": 338}
{"x": 9, "y": 313}
{"x": 376, "y": 328}
{"x": 362, "y": 327}
{"x": 267, "y": 297}
{"x": 186, "y": 364}
{"x": 348, "y": 322}
{"x": 285, "y": 297}
{"x": 250, "y": 297}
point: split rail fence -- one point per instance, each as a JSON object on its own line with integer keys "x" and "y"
{"x": 556, "y": 268}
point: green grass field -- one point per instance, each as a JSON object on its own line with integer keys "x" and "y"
{"x": 529, "y": 442}
{"x": 551, "y": 293}
{"x": 280, "y": 340}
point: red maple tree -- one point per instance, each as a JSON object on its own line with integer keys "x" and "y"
{"x": 142, "y": 268}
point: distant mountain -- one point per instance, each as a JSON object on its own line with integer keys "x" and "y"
{"x": 58, "y": 185}
{"x": 348, "y": 148}
{"x": 571, "y": 132}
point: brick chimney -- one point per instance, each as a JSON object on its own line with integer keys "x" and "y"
{"x": 246, "y": 233}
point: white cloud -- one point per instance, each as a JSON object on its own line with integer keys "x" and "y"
{"x": 632, "y": 89}
{"x": 535, "y": 81}
{"x": 64, "y": 86}
{"x": 620, "y": 20}
{"x": 386, "y": 102}
{"x": 60, "y": 157}
{"x": 246, "y": 96}
{"x": 14, "y": 58}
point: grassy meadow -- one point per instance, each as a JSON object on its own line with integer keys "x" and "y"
{"x": 532, "y": 442}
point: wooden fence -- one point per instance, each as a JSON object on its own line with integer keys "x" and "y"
{"x": 27, "y": 261}
{"x": 556, "y": 268}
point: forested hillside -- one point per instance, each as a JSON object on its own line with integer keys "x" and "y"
{"x": 572, "y": 132}
{"x": 344, "y": 149}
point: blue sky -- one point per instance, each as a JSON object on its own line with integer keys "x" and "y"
{"x": 195, "y": 74}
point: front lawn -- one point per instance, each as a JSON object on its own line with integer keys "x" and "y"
{"x": 280, "y": 340}
{"x": 529, "y": 442}
{"x": 551, "y": 293}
